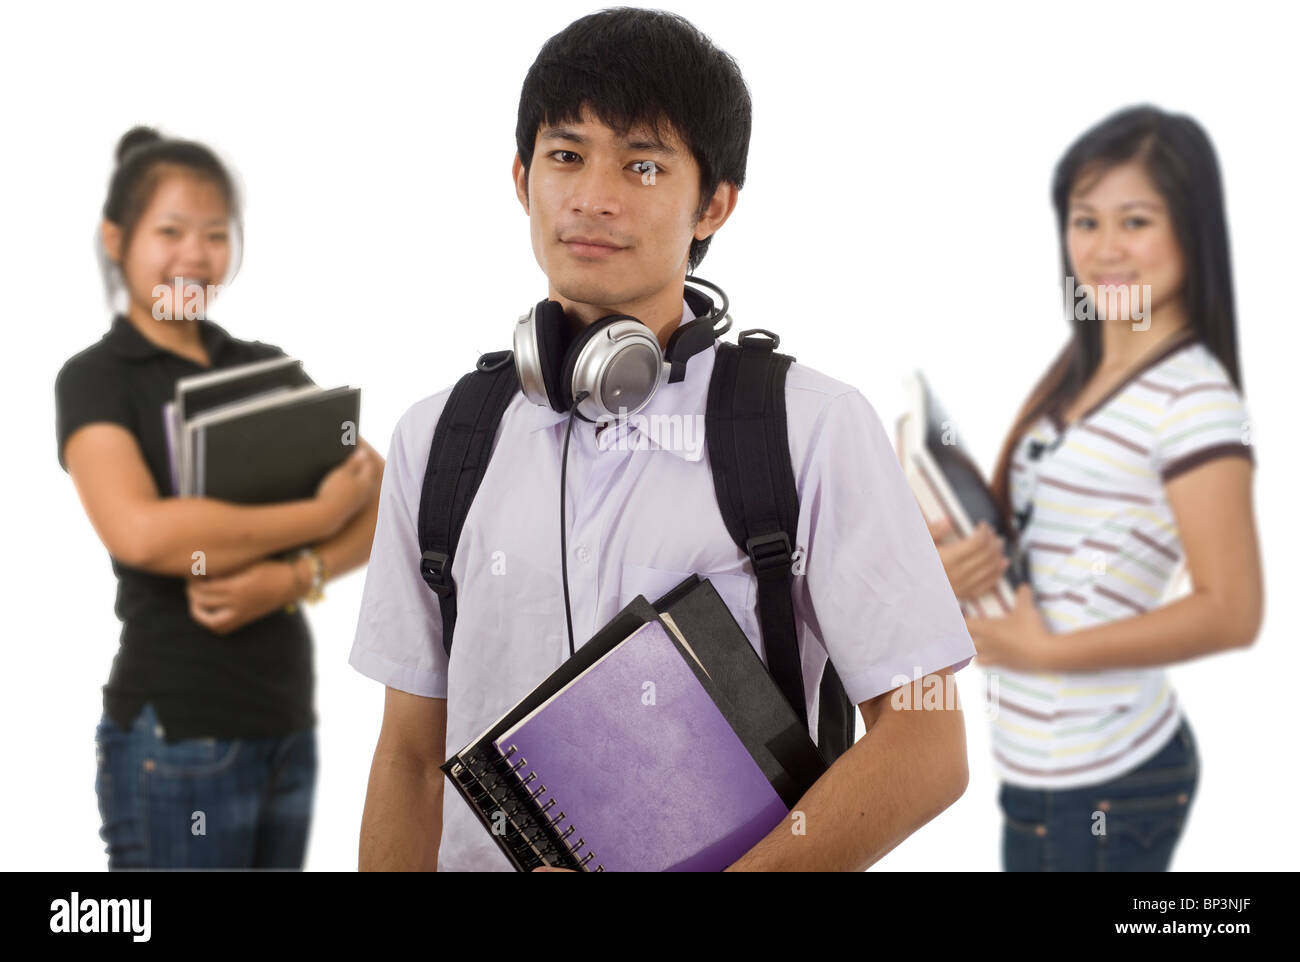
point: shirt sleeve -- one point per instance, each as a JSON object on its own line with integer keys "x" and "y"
{"x": 873, "y": 589}
{"x": 399, "y": 628}
{"x": 86, "y": 393}
{"x": 1202, "y": 422}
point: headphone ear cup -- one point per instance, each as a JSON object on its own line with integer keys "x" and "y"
{"x": 575, "y": 351}
{"x": 549, "y": 321}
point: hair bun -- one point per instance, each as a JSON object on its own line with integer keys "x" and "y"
{"x": 134, "y": 138}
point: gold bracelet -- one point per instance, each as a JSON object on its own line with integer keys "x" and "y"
{"x": 316, "y": 592}
{"x": 299, "y": 589}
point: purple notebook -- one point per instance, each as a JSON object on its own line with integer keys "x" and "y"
{"x": 643, "y": 771}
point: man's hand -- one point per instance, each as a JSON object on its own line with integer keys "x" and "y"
{"x": 1020, "y": 641}
{"x": 223, "y": 604}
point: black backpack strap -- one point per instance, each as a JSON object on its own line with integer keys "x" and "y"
{"x": 458, "y": 460}
{"x": 836, "y": 715}
{"x": 754, "y": 482}
{"x": 753, "y": 478}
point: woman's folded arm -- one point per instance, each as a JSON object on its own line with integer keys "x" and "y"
{"x": 163, "y": 535}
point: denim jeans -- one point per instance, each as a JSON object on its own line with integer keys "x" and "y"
{"x": 1128, "y": 824}
{"x": 203, "y": 803}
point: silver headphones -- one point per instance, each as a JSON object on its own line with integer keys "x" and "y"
{"x": 615, "y": 360}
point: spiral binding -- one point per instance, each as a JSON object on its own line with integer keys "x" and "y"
{"x": 477, "y": 776}
{"x": 577, "y": 846}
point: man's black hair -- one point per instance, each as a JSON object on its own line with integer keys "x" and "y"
{"x": 631, "y": 68}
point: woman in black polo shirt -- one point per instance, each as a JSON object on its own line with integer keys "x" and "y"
{"x": 206, "y": 748}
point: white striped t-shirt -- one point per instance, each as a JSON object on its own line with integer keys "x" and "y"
{"x": 1102, "y": 544}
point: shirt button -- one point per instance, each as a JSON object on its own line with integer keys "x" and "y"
{"x": 583, "y": 553}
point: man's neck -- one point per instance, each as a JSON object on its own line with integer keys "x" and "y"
{"x": 661, "y": 312}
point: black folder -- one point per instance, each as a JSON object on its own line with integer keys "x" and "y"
{"x": 964, "y": 478}
{"x": 734, "y": 675}
{"x": 258, "y": 433}
{"x": 277, "y": 452}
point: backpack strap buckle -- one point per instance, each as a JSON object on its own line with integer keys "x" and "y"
{"x": 749, "y": 338}
{"x": 767, "y": 551}
{"x": 436, "y": 571}
{"x": 493, "y": 361}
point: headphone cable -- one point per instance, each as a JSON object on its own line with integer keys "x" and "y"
{"x": 564, "y": 541}
{"x": 720, "y": 312}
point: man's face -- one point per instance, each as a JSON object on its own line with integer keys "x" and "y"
{"x": 612, "y": 218}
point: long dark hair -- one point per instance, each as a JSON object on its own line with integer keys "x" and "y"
{"x": 1177, "y": 155}
{"x": 143, "y": 158}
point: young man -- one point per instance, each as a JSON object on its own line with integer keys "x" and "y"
{"x": 626, "y": 171}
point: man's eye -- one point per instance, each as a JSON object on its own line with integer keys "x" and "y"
{"x": 217, "y": 237}
{"x": 570, "y": 153}
{"x": 169, "y": 231}
{"x": 644, "y": 166}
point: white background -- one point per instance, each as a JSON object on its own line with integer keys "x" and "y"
{"x": 896, "y": 215}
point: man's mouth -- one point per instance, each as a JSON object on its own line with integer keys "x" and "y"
{"x": 591, "y": 246}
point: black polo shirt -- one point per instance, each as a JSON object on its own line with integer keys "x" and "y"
{"x": 256, "y": 681}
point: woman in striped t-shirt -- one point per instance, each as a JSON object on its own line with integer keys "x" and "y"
{"x": 1131, "y": 457}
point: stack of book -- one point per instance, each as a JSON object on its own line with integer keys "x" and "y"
{"x": 949, "y": 487}
{"x": 258, "y": 433}
{"x": 663, "y": 744}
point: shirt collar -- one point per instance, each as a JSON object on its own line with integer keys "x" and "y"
{"x": 1173, "y": 345}
{"x": 687, "y": 398}
{"x": 129, "y": 343}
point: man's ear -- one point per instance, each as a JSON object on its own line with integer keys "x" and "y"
{"x": 110, "y": 235}
{"x": 719, "y": 209}
{"x": 521, "y": 181}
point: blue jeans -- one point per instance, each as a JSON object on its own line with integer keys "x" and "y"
{"x": 203, "y": 802}
{"x": 1128, "y": 824}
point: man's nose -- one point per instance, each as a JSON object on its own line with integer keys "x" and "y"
{"x": 597, "y": 191}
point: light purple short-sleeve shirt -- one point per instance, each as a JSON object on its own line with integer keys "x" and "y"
{"x": 869, "y": 591}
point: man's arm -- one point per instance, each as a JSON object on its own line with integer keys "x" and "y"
{"x": 908, "y": 767}
{"x": 870, "y": 561}
{"x": 401, "y": 825}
